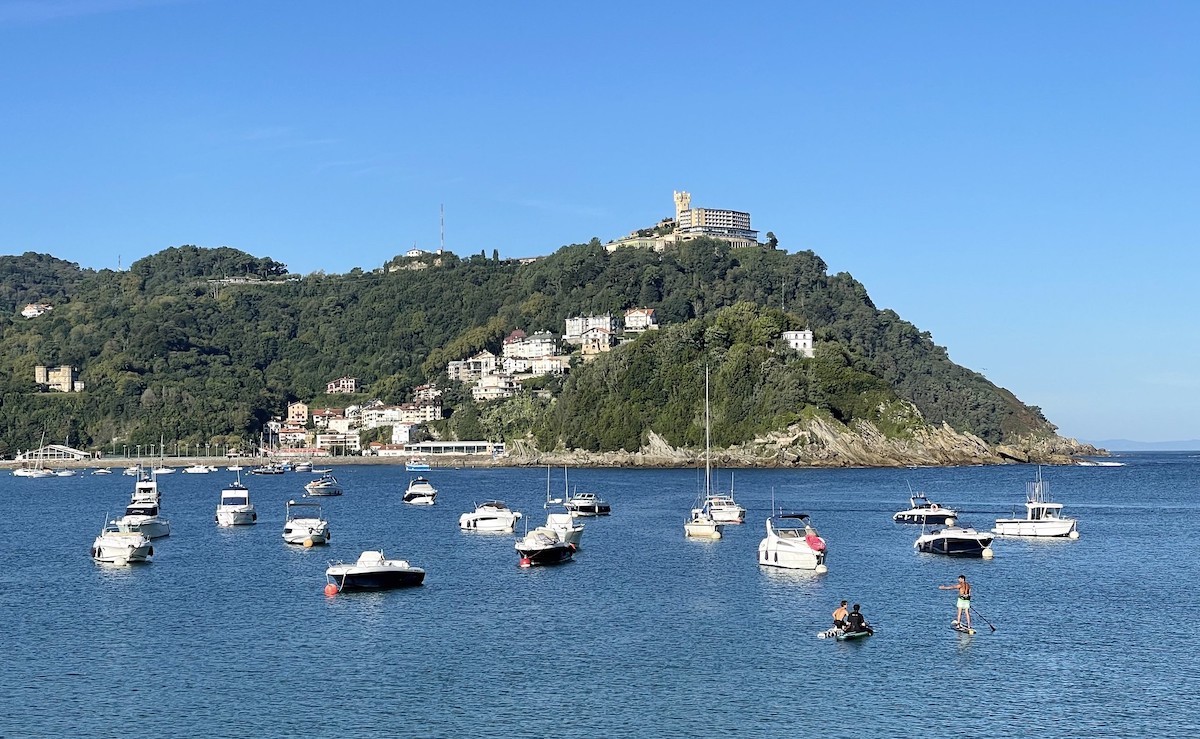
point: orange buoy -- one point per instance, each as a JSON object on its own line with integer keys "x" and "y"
{"x": 308, "y": 543}
{"x": 331, "y": 589}
{"x": 526, "y": 562}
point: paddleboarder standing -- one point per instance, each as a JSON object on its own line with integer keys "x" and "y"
{"x": 964, "y": 600}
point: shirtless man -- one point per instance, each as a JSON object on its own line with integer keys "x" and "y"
{"x": 839, "y": 616}
{"x": 964, "y": 600}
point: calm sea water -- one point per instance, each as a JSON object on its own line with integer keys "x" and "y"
{"x": 228, "y": 632}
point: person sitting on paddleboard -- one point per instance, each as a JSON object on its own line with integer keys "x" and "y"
{"x": 964, "y": 600}
{"x": 855, "y": 622}
{"x": 839, "y": 616}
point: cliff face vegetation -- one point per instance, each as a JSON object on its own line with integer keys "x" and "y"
{"x": 206, "y": 345}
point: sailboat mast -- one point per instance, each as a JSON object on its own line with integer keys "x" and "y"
{"x": 707, "y": 440}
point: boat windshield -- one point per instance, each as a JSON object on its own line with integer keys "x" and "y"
{"x": 235, "y": 500}
{"x": 141, "y": 510}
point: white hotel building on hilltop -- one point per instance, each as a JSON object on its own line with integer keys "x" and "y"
{"x": 690, "y": 223}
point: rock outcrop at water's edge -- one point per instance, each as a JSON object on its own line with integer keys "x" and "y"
{"x": 821, "y": 442}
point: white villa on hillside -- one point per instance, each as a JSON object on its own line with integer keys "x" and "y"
{"x": 578, "y": 326}
{"x": 33, "y": 310}
{"x": 519, "y": 345}
{"x": 493, "y": 387}
{"x": 474, "y": 368}
{"x": 638, "y": 320}
{"x": 801, "y": 341}
{"x": 347, "y": 385}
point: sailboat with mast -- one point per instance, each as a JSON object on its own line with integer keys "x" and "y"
{"x": 700, "y": 523}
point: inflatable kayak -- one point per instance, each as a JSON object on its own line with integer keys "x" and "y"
{"x": 846, "y": 636}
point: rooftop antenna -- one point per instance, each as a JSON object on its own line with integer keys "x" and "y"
{"x": 442, "y": 243}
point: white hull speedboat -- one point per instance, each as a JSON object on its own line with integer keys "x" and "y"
{"x": 323, "y": 486}
{"x": 724, "y": 509}
{"x": 235, "y": 508}
{"x": 543, "y": 546}
{"x": 702, "y": 525}
{"x": 102, "y": 471}
{"x": 420, "y": 492}
{"x": 373, "y": 572}
{"x": 121, "y": 547}
{"x": 304, "y": 524}
{"x": 792, "y": 543}
{"x": 164, "y": 470}
{"x": 65, "y": 473}
{"x": 303, "y": 467}
{"x": 491, "y": 516}
{"x": 921, "y": 510}
{"x": 197, "y": 469}
{"x": 1042, "y": 517}
{"x": 566, "y": 527}
{"x": 587, "y": 504}
{"x": 955, "y": 541}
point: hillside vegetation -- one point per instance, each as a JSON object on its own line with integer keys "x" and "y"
{"x": 166, "y": 352}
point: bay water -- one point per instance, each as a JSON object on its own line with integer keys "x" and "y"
{"x": 645, "y": 633}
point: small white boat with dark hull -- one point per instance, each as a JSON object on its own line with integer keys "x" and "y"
{"x": 490, "y": 516}
{"x": 420, "y": 492}
{"x": 1042, "y": 517}
{"x": 792, "y": 543}
{"x": 587, "y": 504}
{"x": 102, "y": 471}
{"x": 235, "y": 508}
{"x": 113, "y": 546}
{"x": 373, "y": 572}
{"x": 325, "y": 485}
{"x": 921, "y": 510}
{"x": 543, "y": 546}
{"x": 956, "y": 541}
{"x": 303, "y": 524}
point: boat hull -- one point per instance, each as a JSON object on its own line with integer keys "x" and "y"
{"x": 379, "y": 579}
{"x": 487, "y": 524}
{"x": 702, "y": 529}
{"x": 542, "y": 556}
{"x": 954, "y": 547}
{"x": 420, "y": 498}
{"x": 788, "y": 557}
{"x": 299, "y": 532}
{"x": 1044, "y": 528}
{"x": 122, "y": 548}
{"x": 236, "y": 518}
{"x": 941, "y": 518}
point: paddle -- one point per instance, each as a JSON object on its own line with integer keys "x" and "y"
{"x": 989, "y": 623}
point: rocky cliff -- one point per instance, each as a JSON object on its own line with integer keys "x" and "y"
{"x": 822, "y": 442}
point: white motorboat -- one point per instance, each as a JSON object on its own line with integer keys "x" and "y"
{"x": 102, "y": 471}
{"x": 701, "y": 522}
{"x": 492, "y": 515}
{"x": 65, "y": 473}
{"x": 304, "y": 524}
{"x": 566, "y": 527}
{"x": 417, "y": 464}
{"x": 235, "y": 508}
{"x": 142, "y": 514}
{"x": 1042, "y": 517}
{"x": 304, "y": 466}
{"x": 420, "y": 492}
{"x": 792, "y": 543}
{"x": 587, "y": 504}
{"x": 121, "y": 547}
{"x": 372, "y": 572}
{"x": 325, "y": 485}
{"x": 543, "y": 546}
{"x": 956, "y": 541}
{"x": 325, "y": 471}
{"x": 724, "y": 509}
{"x": 197, "y": 469}
{"x": 921, "y": 510}
{"x": 234, "y": 468}
{"x": 269, "y": 468}
{"x": 164, "y": 470}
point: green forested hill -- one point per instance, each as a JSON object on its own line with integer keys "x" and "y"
{"x": 166, "y": 353}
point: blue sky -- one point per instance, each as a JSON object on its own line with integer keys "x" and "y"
{"x": 1020, "y": 179}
